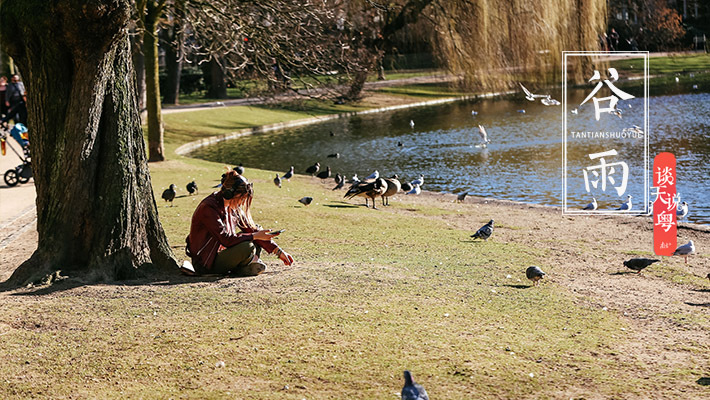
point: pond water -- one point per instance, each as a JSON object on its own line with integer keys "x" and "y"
{"x": 523, "y": 160}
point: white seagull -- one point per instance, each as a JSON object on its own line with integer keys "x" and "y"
{"x": 374, "y": 175}
{"x": 411, "y": 123}
{"x": 591, "y": 206}
{"x": 419, "y": 181}
{"x": 530, "y": 95}
{"x": 685, "y": 250}
{"x": 626, "y": 205}
{"x": 682, "y": 210}
{"x": 415, "y": 190}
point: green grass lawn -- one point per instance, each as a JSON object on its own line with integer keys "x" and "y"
{"x": 664, "y": 65}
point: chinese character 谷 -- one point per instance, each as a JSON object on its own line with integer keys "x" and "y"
{"x": 605, "y": 171}
{"x": 612, "y": 109}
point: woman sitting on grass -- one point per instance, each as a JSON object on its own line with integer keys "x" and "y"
{"x": 223, "y": 237}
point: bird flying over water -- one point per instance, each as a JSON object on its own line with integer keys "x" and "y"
{"x": 638, "y": 264}
{"x": 412, "y": 390}
{"x": 534, "y": 274}
{"x": 530, "y": 95}
{"x": 484, "y": 232}
{"x": 484, "y": 136}
{"x": 169, "y": 194}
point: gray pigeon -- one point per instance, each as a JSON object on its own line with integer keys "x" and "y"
{"x": 191, "y": 187}
{"x": 534, "y": 274}
{"x": 685, "y": 250}
{"x": 484, "y": 232}
{"x": 411, "y": 390}
{"x": 277, "y": 181}
{"x": 638, "y": 264}
{"x": 306, "y": 200}
{"x": 169, "y": 194}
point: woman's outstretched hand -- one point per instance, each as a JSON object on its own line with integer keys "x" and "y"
{"x": 286, "y": 258}
{"x": 262, "y": 235}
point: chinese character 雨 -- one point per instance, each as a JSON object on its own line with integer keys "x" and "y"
{"x": 605, "y": 171}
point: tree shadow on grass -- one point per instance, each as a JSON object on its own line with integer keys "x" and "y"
{"x": 160, "y": 277}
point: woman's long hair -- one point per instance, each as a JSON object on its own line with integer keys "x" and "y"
{"x": 240, "y": 203}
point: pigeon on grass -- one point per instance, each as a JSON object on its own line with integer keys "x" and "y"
{"x": 638, "y": 264}
{"x": 412, "y": 390}
{"x": 484, "y": 232}
{"x": 534, "y": 274}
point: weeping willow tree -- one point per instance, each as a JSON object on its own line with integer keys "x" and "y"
{"x": 496, "y": 43}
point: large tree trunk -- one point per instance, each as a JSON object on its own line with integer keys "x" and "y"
{"x": 156, "y": 149}
{"x": 172, "y": 42}
{"x": 139, "y": 68}
{"x": 96, "y": 214}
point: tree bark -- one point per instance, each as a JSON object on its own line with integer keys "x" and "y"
{"x": 96, "y": 214}
{"x": 156, "y": 149}
{"x": 139, "y": 68}
{"x": 173, "y": 63}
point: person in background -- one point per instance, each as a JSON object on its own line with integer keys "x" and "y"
{"x": 15, "y": 100}
{"x": 3, "y": 88}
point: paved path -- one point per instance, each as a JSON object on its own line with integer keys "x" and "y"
{"x": 17, "y": 204}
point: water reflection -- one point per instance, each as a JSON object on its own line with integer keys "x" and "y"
{"x": 522, "y": 162}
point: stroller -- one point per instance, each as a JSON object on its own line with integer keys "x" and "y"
{"x": 23, "y": 172}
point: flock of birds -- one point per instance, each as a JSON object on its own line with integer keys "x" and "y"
{"x": 370, "y": 188}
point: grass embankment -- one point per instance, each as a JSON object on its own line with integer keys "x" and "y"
{"x": 372, "y": 293}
